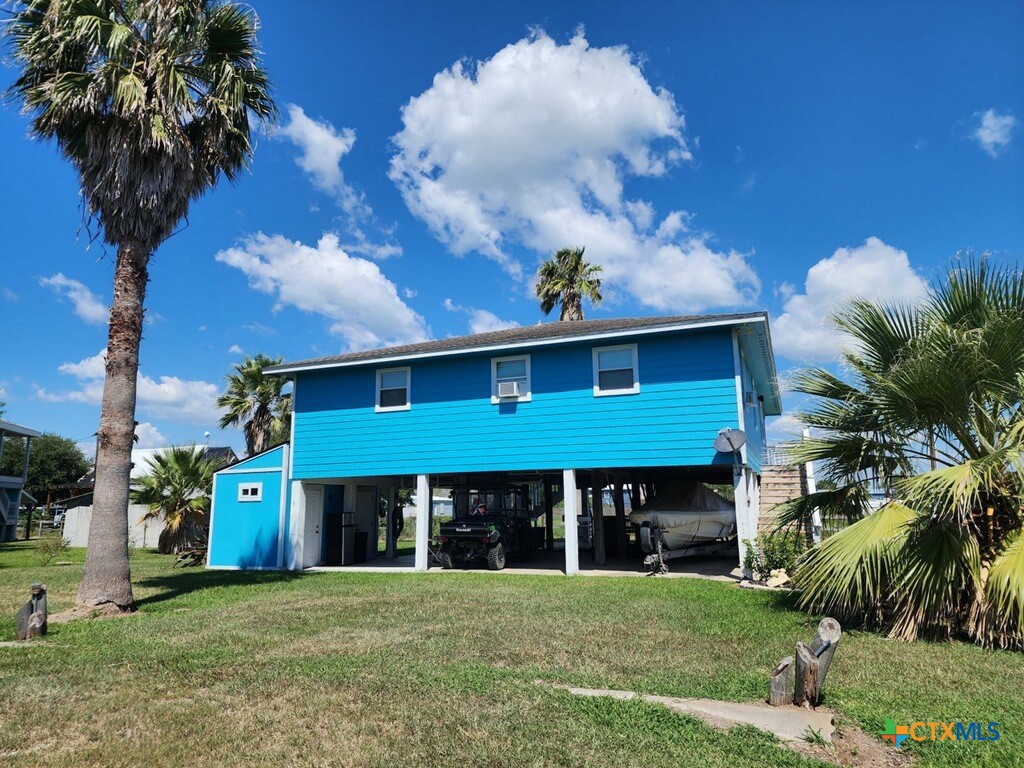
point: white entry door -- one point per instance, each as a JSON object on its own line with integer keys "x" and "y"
{"x": 312, "y": 525}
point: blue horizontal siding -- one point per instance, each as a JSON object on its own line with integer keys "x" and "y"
{"x": 246, "y": 534}
{"x": 687, "y": 394}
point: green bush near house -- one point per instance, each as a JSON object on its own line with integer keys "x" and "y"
{"x": 773, "y": 550}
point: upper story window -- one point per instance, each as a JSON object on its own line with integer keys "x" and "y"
{"x": 392, "y": 389}
{"x": 615, "y": 370}
{"x": 510, "y": 379}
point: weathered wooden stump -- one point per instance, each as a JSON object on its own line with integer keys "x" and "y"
{"x": 813, "y": 662}
{"x": 32, "y": 615}
{"x": 780, "y": 683}
{"x": 807, "y": 672}
{"x": 802, "y": 683}
{"x": 824, "y": 645}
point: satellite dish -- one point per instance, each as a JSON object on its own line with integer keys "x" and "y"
{"x": 730, "y": 440}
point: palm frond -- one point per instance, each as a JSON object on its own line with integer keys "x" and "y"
{"x": 177, "y": 488}
{"x": 151, "y": 101}
{"x": 1000, "y": 623}
{"x": 937, "y": 580}
{"x": 848, "y": 504}
{"x": 850, "y": 574}
{"x": 566, "y": 279}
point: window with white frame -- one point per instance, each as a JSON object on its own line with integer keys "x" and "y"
{"x": 250, "y": 491}
{"x": 392, "y": 389}
{"x": 510, "y": 379}
{"x": 615, "y": 370}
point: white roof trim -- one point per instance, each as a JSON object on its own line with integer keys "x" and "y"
{"x": 600, "y": 336}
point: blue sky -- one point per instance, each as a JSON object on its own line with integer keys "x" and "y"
{"x": 712, "y": 156}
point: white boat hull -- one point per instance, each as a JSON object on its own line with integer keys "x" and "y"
{"x": 687, "y": 514}
{"x": 684, "y": 529}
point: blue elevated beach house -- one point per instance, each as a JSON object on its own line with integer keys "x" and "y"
{"x": 581, "y": 415}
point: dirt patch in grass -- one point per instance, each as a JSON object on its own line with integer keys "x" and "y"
{"x": 89, "y": 612}
{"x": 853, "y": 748}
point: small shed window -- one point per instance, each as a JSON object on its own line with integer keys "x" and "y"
{"x": 615, "y": 370}
{"x": 392, "y": 389}
{"x": 250, "y": 491}
{"x": 510, "y": 379}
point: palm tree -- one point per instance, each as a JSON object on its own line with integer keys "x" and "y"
{"x": 255, "y": 401}
{"x": 177, "y": 488}
{"x": 933, "y": 416}
{"x": 566, "y": 278}
{"x": 151, "y": 102}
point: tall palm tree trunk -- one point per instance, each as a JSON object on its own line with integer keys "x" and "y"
{"x": 572, "y": 306}
{"x": 107, "y": 578}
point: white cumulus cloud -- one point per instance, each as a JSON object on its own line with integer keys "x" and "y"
{"x": 994, "y": 131}
{"x": 323, "y": 146}
{"x": 785, "y": 427}
{"x": 362, "y": 304}
{"x": 170, "y": 398}
{"x": 149, "y": 436}
{"x": 873, "y": 270}
{"x": 534, "y": 147}
{"x": 87, "y": 305}
{"x": 234, "y": 349}
{"x": 481, "y": 320}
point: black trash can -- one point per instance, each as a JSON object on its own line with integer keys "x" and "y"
{"x": 362, "y": 542}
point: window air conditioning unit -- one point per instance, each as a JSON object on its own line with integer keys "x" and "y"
{"x": 508, "y": 389}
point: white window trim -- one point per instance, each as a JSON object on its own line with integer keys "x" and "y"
{"x": 258, "y": 495}
{"x": 635, "y": 389}
{"x": 407, "y": 370}
{"x": 523, "y": 397}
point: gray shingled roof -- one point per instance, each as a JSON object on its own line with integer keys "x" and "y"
{"x": 530, "y": 333}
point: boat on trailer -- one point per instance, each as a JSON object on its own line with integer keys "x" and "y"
{"x": 684, "y": 517}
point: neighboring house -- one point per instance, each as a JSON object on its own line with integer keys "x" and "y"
{"x": 556, "y": 404}
{"x": 78, "y": 513}
{"x": 12, "y": 488}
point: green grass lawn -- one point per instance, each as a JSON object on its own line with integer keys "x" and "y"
{"x": 263, "y": 669}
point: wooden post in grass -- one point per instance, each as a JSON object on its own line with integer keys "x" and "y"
{"x": 807, "y": 673}
{"x": 824, "y": 645}
{"x": 813, "y": 662}
{"x": 33, "y": 615}
{"x": 780, "y": 683}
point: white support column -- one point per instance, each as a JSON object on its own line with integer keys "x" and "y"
{"x": 423, "y": 502}
{"x": 296, "y": 527}
{"x": 570, "y": 506}
{"x": 817, "y": 526}
{"x": 747, "y": 513}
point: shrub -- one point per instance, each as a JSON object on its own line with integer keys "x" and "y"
{"x": 49, "y": 546}
{"x": 774, "y": 550}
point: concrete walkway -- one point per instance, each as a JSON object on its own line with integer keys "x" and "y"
{"x": 551, "y": 564}
{"x": 787, "y": 723}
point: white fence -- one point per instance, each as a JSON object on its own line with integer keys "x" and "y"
{"x": 144, "y": 535}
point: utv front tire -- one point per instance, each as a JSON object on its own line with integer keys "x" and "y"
{"x": 445, "y": 559}
{"x": 496, "y": 557}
